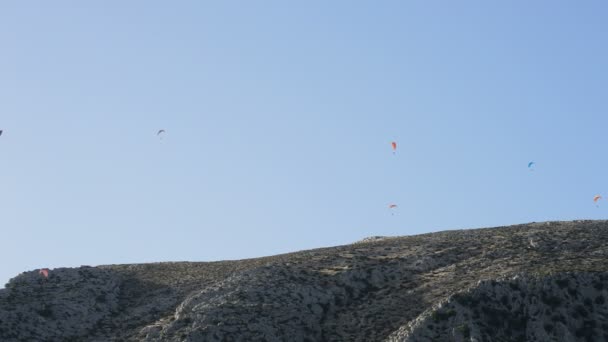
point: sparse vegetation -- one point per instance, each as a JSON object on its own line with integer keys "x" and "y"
{"x": 443, "y": 315}
{"x": 372, "y": 288}
{"x": 464, "y": 330}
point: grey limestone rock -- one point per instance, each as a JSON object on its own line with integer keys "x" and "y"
{"x": 536, "y": 282}
{"x": 65, "y": 306}
{"x": 560, "y": 307}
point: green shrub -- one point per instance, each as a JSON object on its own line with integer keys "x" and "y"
{"x": 464, "y": 330}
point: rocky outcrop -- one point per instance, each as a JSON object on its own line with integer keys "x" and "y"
{"x": 562, "y": 307}
{"x": 66, "y": 306}
{"x": 542, "y": 281}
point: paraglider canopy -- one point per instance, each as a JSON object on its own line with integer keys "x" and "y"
{"x": 44, "y": 272}
{"x": 596, "y": 198}
{"x": 160, "y": 131}
{"x": 394, "y": 146}
{"x": 391, "y": 207}
{"x": 0, "y": 132}
{"x": 530, "y": 164}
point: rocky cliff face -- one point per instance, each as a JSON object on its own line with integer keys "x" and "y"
{"x": 561, "y": 307}
{"x": 535, "y": 282}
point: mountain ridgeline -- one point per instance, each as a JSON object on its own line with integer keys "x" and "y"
{"x": 532, "y": 282}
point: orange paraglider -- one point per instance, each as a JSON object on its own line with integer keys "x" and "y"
{"x": 394, "y": 145}
{"x": 44, "y": 272}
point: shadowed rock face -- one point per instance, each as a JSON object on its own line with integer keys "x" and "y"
{"x": 561, "y": 307}
{"x": 68, "y": 304}
{"x": 542, "y": 281}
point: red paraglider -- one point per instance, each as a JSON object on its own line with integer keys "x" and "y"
{"x": 44, "y": 272}
{"x": 394, "y": 145}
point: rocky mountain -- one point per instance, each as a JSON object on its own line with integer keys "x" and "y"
{"x": 533, "y": 282}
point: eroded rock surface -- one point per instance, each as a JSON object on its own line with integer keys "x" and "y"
{"x": 65, "y": 306}
{"x": 561, "y": 307}
{"x": 541, "y": 281}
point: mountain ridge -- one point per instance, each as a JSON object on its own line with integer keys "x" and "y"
{"x": 380, "y": 289}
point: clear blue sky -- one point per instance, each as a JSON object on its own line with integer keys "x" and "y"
{"x": 279, "y": 117}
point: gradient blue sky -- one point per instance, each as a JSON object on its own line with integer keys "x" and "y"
{"x": 279, "y": 118}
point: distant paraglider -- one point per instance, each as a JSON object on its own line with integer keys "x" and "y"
{"x": 530, "y": 166}
{"x": 392, "y": 207}
{"x": 44, "y": 272}
{"x": 596, "y": 198}
{"x": 0, "y": 132}
{"x": 160, "y": 133}
{"x": 394, "y": 146}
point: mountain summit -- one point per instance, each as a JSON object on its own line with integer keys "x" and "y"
{"x": 532, "y": 282}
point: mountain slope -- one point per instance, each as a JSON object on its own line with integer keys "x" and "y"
{"x": 524, "y": 282}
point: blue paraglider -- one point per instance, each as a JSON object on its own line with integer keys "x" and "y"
{"x": 530, "y": 164}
